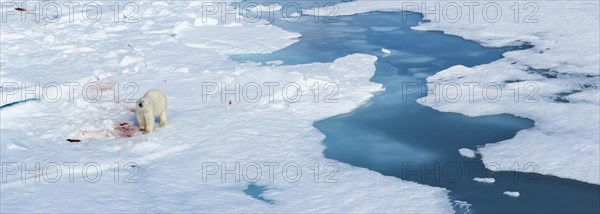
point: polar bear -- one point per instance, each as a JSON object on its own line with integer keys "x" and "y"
{"x": 153, "y": 104}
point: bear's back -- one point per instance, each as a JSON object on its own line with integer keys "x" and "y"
{"x": 159, "y": 101}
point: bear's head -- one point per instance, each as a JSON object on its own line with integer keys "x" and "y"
{"x": 143, "y": 104}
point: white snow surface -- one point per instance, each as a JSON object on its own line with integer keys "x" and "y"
{"x": 564, "y": 64}
{"x": 167, "y": 51}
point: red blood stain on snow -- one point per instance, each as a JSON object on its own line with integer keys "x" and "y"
{"x": 104, "y": 86}
{"x": 132, "y": 110}
{"x": 125, "y": 130}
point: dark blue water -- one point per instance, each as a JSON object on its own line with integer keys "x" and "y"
{"x": 396, "y": 136}
{"x": 17, "y": 103}
{"x": 256, "y": 192}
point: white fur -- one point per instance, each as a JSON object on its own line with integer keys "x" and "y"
{"x": 154, "y": 104}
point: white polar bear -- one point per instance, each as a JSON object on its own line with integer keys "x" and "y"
{"x": 153, "y": 104}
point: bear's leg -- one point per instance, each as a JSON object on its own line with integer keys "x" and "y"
{"x": 141, "y": 121}
{"x": 149, "y": 119}
{"x": 163, "y": 119}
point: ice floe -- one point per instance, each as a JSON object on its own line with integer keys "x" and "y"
{"x": 467, "y": 153}
{"x": 512, "y": 194}
{"x": 485, "y": 180}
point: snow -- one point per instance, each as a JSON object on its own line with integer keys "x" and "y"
{"x": 386, "y": 51}
{"x": 485, "y": 180}
{"x": 128, "y": 60}
{"x": 467, "y": 153}
{"x": 275, "y": 62}
{"x": 254, "y": 41}
{"x": 205, "y": 22}
{"x": 562, "y": 65}
{"x": 462, "y": 206}
{"x": 264, "y": 8}
{"x": 512, "y": 194}
{"x": 165, "y": 51}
